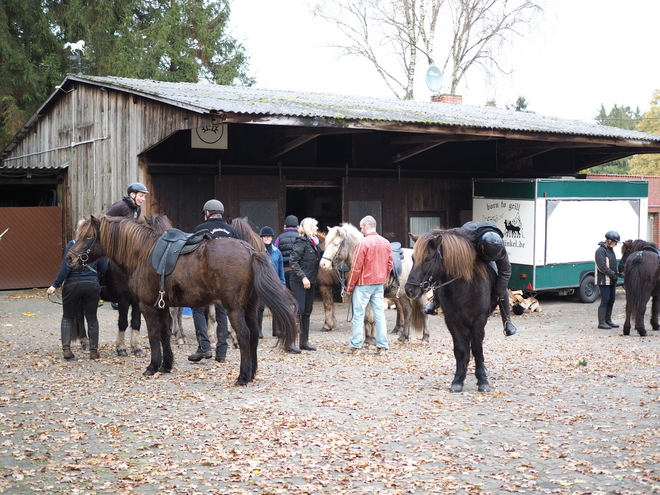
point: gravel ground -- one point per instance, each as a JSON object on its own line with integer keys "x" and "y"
{"x": 573, "y": 410}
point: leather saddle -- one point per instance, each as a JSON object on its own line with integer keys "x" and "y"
{"x": 397, "y": 258}
{"x": 169, "y": 246}
{"x": 652, "y": 249}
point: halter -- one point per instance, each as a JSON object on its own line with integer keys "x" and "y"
{"x": 338, "y": 273}
{"x": 84, "y": 256}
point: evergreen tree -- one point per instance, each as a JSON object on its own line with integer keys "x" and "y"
{"x": 622, "y": 117}
{"x": 164, "y": 40}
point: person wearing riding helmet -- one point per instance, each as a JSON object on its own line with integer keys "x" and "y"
{"x": 266, "y": 233}
{"x": 606, "y": 278}
{"x": 488, "y": 240}
{"x": 217, "y": 227}
{"x": 284, "y": 243}
{"x": 130, "y": 205}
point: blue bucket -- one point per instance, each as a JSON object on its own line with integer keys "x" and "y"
{"x": 187, "y": 312}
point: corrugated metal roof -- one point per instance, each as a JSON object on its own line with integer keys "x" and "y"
{"x": 244, "y": 100}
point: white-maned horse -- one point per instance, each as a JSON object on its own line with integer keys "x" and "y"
{"x": 340, "y": 245}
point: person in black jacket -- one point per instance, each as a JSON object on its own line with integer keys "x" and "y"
{"x": 606, "y": 278}
{"x": 130, "y": 206}
{"x": 213, "y": 222}
{"x": 304, "y": 261}
{"x": 80, "y": 287}
{"x": 284, "y": 243}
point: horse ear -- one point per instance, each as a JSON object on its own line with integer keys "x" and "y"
{"x": 413, "y": 237}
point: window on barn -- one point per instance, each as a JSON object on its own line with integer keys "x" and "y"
{"x": 421, "y": 222}
{"x": 261, "y": 213}
{"x": 357, "y": 210}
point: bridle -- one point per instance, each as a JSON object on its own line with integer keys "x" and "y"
{"x": 340, "y": 274}
{"x": 83, "y": 257}
{"x": 427, "y": 282}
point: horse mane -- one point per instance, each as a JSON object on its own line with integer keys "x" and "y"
{"x": 245, "y": 233}
{"x": 127, "y": 239}
{"x": 349, "y": 233}
{"x": 630, "y": 246}
{"x": 459, "y": 258}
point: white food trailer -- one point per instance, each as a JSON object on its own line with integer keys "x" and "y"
{"x": 552, "y": 226}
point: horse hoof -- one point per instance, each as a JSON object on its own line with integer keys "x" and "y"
{"x": 402, "y": 339}
{"x": 325, "y": 329}
{"x": 138, "y": 352}
{"x": 483, "y": 387}
{"x": 148, "y": 373}
{"x": 163, "y": 370}
{"x": 240, "y": 383}
{"x": 122, "y": 352}
{"x": 642, "y": 333}
{"x": 456, "y": 388}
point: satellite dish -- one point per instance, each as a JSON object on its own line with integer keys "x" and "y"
{"x": 433, "y": 78}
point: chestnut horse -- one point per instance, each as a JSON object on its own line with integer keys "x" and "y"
{"x": 447, "y": 262}
{"x": 223, "y": 271}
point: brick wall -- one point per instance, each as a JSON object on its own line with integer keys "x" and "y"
{"x": 456, "y": 99}
{"x": 654, "y": 197}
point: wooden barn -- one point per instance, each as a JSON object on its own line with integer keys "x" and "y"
{"x": 266, "y": 154}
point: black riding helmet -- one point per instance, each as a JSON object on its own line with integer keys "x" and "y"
{"x": 136, "y": 187}
{"x": 613, "y": 235}
{"x": 491, "y": 246}
{"x": 266, "y": 231}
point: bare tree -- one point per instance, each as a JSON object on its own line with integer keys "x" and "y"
{"x": 394, "y": 34}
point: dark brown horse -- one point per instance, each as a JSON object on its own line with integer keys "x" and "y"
{"x": 640, "y": 262}
{"x": 447, "y": 261}
{"x": 223, "y": 271}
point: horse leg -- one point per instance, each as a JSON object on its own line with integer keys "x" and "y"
{"x": 655, "y": 309}
{"x": 122, "y": 325}
{"x": 136, "y": 318}
{"x": 369, "y": 328}
{"x": 461, "y": 353}
{"x": 629, "y": 312}
{"x": 243, "y": 336}
{"x": 480, "y": 370}
{"x": 177, "y": 325}
{"x": 400, "y": 320}
{"x": 154, "y": 331}
{"x": 79, "y": 328}
{"x": 251, "y": 319}
{"x": 639, "y": 317}
{"x": 327, "y": 297}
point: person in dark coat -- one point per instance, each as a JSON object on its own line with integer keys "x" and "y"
{"x": 284, "y": 243}
{"x": 130, "y": 205}
{"x": 80, "y": 287}
{"x": 213, "y": 222}
{"x": 606, "y": 278}
{"x": 488, "y": 240}
{"x": 266, "y": 233}
{"x": 304, "y": 261}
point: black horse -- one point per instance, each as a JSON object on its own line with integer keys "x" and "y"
{"x": 640, "y": 261}
{"x": 447, "y": 261}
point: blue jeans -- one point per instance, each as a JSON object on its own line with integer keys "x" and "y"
{"x": 363, "y": 295}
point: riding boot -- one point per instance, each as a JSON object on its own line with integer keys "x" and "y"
{"x": 601, "y": 319}
{"x": 304, "y": 335}
{"x": 505, "y": 311}
{"x": 608, "y": 317}
{"x": 430, "y": 308}
{"x": 67, "y": 328}
{"x": 93, "y": 331}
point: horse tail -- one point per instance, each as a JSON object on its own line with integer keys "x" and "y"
{"x": 75, "y": 332}
{"x": 419, "y": 318}
{"x": 278, "y": 298}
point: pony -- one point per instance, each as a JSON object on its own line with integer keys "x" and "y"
{"x": 340, "y": 245}
{"x": 640, "y": 261}
{"x": 115, "y": 289}
{"x": 446, "y": 260}
{"x": 224, "y": 271}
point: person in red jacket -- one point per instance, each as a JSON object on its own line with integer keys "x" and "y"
{"x": 372, "y": 264}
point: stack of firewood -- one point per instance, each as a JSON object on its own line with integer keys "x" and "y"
{"x": 528, "y": 304}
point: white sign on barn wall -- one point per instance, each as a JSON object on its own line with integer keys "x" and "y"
{"x": 515, "y": 218}
{"x": 209, "y": 137}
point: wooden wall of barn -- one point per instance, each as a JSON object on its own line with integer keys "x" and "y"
{"x": 98, "y": 136}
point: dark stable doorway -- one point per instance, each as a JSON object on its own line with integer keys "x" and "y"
{"x": 322, "y": 203}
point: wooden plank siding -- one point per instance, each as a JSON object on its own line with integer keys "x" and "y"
{"x": 99, "y": 136}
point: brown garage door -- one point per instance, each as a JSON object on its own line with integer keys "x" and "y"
{"x": 31, "y": 250}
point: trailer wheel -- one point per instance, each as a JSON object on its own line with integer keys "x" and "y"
{"x": 588, "y": 291}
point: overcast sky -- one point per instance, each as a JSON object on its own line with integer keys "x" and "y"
{"x": 583, "y": 53}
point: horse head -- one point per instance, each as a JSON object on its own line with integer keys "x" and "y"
{"x": 86, "y": 248}
{"x": 340, "y": 244}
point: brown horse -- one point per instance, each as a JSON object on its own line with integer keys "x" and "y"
{"x": 223, "y": 271}
{"x": 640, "y": 262}
{"x": 447, "y": 261}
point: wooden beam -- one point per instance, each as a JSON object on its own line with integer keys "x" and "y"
{"x": 399, "y": 157}
{"x": 294, "y": 143}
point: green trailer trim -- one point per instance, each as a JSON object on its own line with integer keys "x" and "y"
{"x": 559, "y": 188}
{"x": 548, "y": 277}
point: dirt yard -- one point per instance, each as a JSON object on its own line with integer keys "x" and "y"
{"x": 573, "y": 410}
